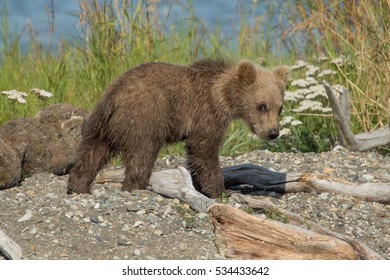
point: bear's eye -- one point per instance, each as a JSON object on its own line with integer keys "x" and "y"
{"x": 262, "y": 107}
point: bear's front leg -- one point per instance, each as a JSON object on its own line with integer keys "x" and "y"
{"x": 203, "y": 163}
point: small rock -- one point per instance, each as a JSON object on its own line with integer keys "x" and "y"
{"x": 50, "y": 195}
{"x": 26, "y": 217}
{"x": 141, "y": 212}
{"x": 153, "y": 218}
{"x": 138, "y": 223}
{"x": 125, "y": 228}
{"x": 202, "y": 215}
{"x": 94, "y": 219}
{"x": 183, "y": 247}
{"x": 125, "y": 194}
{"x": 124, "y": 242}
{"x": 69, "y": 214}
{"x": 167, "y": 210}
{"x": 327, "y": 170}
{"x": 137, "y": 252}
{"x": 237, "y": 205}
{"x": 136, "y": 193}
{"x": 25, "y": 229}
{"x": 30, "y": 193}
{"x": 324, "y": 196}
{"x": 367, "y": 178}
{"x": 33, "y": 231}
{"x": 158, "y": 232}
{"x": 175, "y": 201}
{"x": 132, "y": 207}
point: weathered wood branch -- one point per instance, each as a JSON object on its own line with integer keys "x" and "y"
{"x": 9, "y": 248}
{"x": 341, "y": 113}
{"x": 175, "y": 183}
{"x": 361, "y": 250}
{"x": 263, "y": 179}
{"x": 240, "y": 235}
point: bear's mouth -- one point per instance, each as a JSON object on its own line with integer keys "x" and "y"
{"x": 264, "y": 134}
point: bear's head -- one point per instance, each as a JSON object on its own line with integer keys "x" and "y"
{"x": 258, "y": 97}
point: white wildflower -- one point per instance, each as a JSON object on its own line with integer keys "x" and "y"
{"x": 315, "y": 91}
{"x": 338, "y": 61}
{"x": 311, "y": 70}
{"x": 326, "y": 72}
{"x": 298, "y": 65}
{"x": 286, "y": 120}
{"x": 284, "y": 131}
{"x": 326, "y": 110}
{"x": 41, "y": 93}
{"x": 15, "y": 95}
{"x": 294, "y": 95}
{"x": 304, "y": 83}
{"x": 322, "y": 58}
{"x": 306, "y": 105}
{"x": 296, "y": 123}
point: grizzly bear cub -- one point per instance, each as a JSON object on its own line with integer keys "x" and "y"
{"x": 155, "y": 104}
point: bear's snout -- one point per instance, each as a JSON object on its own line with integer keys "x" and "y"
{"x": 273, "y": 134}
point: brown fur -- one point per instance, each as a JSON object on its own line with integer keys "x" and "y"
{"x": 158, "y": 103}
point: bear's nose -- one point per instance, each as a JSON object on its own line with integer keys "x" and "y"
{"x": 273, "y": 133}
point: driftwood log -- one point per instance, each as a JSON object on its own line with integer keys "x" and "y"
{"x": 260, "y": 178}
{"x": 242, "y": 236}
{"x": 361, "y": 250}
{"x": 341, "y": 112}
{"x": 9, "y": 248}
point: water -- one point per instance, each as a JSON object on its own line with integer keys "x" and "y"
{"x": 38, "y": 14}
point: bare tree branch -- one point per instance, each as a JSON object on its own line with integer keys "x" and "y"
{"x": 341, "y": 111}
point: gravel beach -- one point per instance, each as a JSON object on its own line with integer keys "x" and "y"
{"x": 110, "y": 224}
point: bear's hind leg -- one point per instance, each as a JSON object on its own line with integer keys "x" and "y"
{"x": 139, "y": 166}
{"x": 92, "y": 156}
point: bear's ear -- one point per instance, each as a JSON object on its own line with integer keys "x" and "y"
{"x": 246, "y": 72}
{"x": 282, "y": 73}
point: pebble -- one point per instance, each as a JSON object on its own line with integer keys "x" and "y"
{"x": 183, "y": 247}
{"x": 26, "y": 217}
{"x": 153, "y": 218}
{"x": 137, "y": 252}
{"x": 94, "y": 219}
{"x": 126, "y": 228}
{"x": 69, "y": 214}
{"x": 33, "y": 231}
{"x": 175, "y": 201}
{"x": 202, "y": 215}
{"x": 51, "y": 195}
{"x": 367, "y": 178}
{"x": 138, "y": 223}
{"x": 141, "y": 212}
{"x": 132, "y": 207}
{"x": 324, "y": 196}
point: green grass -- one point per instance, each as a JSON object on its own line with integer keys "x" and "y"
{"x": 114, "y": 38}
